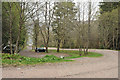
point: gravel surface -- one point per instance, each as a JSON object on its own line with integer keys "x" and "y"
{"x": 102, "y": 67}
{"x": 41, "y": 54}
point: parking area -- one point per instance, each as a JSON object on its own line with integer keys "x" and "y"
{"x": 29, "y": 53}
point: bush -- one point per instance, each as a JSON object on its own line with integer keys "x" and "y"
{"x": 10, "y": 56}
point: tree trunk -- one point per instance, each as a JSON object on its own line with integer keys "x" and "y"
{"x": 113, "y": 40}
{"x": 36, "y": 41}
{"x": 48, "y": 35}
{"x": 116, "y": 46}
{"x": 20, "y": 27}
{"x": 16, "y": 48}
{"x": 89, "y": 21}
{"x": 86, "y": 51}
{"x": 80, "y": 51}
{"x": 18, "y": 38}
{"x": 58, "y": 46}
{"x": 119, "y": 27}
{"x": 46, "y": 49}
{"x": 11, "y": 51}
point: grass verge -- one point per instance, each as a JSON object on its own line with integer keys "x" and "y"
{"x": 75, "y": 54}
{"x": 16, "y": 59}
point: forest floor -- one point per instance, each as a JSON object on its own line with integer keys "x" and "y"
{"x": 84, "y": 67}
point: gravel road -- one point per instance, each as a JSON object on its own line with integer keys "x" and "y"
{"x": 102, "y": 67}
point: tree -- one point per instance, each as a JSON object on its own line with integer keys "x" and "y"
{"x": 64, "y": 13}
{"x": 89, "y": 26}
{"x": 108, "y": 6}
{"x": 35, "y": 33}
{"x": 15, "y": 15}
{"x": 118, "y": 45}
{"x": 79, "y": 27}
{"x": 108, "y": 29}
{"x": 1, "y": 26}
{"x": 8, "y": 10}
{"x": 46, "y": 24}
{"x": 109, "y": 10}
{"x": 26, "y": 11}
{"x": 21, "y": 11}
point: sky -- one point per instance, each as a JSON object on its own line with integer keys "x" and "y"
{"x": 87, "y": 0}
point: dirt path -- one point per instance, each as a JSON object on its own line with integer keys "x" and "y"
{"x": 41, "y": 54}
{"x": 102, "y": 67}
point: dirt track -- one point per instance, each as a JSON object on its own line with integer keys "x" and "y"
{"x": 102, "y": 67}
{"x": 41, "y": 54}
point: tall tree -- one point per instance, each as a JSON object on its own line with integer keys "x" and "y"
{"x": 26, "y": 11}
{"x": 0, "y": 26}
{"x": 8, "y": 10}
{"x": 64, "y": 13}
{"x": 89, "y": 26}
{"x": 108, "y": 6}
{"x": 108, "y": 29}
{"x": 46, "y": 24}
{"x": 36, "y": 32}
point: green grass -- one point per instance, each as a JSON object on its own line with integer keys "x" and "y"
{"x": 75, "y": 54}
{"x": 16, "y": 60}
{"x": 0, "y": 59}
